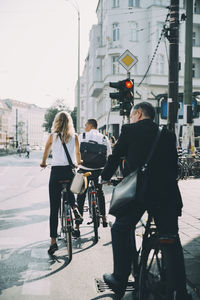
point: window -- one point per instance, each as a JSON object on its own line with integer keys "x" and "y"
{"x": 115, "y": 65}
{"x": 115, "y": 3}
{"x": 115, "y": 32}
{"x": 193, "y": 38}
{"x": 193, "y": 70}
{"x": 160, "y": 64}
{"x": 159, "y": 29}
{"x": 148, "y": 31}
{"x": 132, "y": 3}
{"x": 196, "y": 68}
{"x": 197, "y": 6}
{"x": 82, "y": 105}
{"x": 133, "y": 31}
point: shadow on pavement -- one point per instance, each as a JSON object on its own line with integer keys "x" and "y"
{"x": 27, "y": 264}
{"x": 192, "y": 264}
{"x": 10, "y": 218}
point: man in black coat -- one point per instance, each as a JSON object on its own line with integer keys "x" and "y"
{"x": 161, "y": 195}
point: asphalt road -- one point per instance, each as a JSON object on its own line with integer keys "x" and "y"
{"x": 26, "y": 270}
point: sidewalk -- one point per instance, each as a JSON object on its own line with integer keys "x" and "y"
{"x": 189, "y": 229}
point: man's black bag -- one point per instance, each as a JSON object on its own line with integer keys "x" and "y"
{"x": 93, "y": 154}
{"x": 125, "y": 194}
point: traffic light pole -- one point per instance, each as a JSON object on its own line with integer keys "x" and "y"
{"x": 173, "y": 65}
{"x": 188, "y": 129}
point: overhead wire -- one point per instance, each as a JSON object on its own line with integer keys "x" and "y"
{"x": 155, "y": 51}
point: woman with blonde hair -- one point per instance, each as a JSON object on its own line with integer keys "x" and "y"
{"x": 62, "y": 132}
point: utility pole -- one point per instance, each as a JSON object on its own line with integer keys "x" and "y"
{"x": 173, "y": 65}
{"x": 16, "y": 127}
{"x": 188, "y": 128}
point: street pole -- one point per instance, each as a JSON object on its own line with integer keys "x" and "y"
{"x": 78, "y": 100}
{"x": 16, "y": 127}
{"x": 78, "y": 81}
{"x": 188, "y": 129}
{"x": 173, "y": 65}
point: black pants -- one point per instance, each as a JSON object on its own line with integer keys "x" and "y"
{"x": 58, "y": 173}
{"x": 123, "y": 242}
{"x": 100, "y": 193}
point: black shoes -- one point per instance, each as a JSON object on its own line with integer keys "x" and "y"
{"x": 115, "y": 285}
{"x": 76, "y": 233}
{"x": 53, "y": 248}
{"x": 78, "y": 217}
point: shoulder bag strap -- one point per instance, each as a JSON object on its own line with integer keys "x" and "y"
{"x": 67, "y": 152}
{"x": 153, "y": 146}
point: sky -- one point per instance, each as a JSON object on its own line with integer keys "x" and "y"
{"x": 39, "y": 48}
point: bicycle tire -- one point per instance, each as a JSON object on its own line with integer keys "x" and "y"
{"x": 68, "y": 225}
{"x": 195, "y": 169}
{"x": 156, "y": 277}
{"x": 95, "y": 219}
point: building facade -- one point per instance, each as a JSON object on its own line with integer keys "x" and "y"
{"x": 135, "y": 25}
{"x": 21, "y": 123}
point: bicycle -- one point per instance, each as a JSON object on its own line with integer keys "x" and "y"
{"x": 94, "y": 211}
{"x": 152, "y": 263}
{"x": 153, "y": 266}
{"x": 65, "y": 217}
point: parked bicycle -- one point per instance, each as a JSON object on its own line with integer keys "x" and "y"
{"x": 188, "y": 166}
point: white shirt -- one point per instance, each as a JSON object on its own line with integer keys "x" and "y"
{"x": 59, "y": 157}
{"x": 95, "y": 135}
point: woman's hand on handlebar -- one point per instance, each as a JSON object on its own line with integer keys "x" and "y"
{"x": 43, "y": 165}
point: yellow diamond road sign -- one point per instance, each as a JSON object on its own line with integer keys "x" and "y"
{"x": 127, "y": 60}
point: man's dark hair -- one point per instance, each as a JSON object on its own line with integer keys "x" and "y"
{"x": 93, "y": 122}
{"x": 147, "y": 108}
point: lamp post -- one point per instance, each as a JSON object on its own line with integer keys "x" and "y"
{"x": 78, "y": 87}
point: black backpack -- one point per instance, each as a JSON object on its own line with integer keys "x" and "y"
{"x": 93, "y": 154}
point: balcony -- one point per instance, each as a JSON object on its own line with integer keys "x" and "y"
{"x": 100, "y": 52}
{"x": 114, "y": 48}
{"x": 96, "y": 88}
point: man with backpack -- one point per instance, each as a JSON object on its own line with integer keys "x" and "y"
{"x": 95, "y": 148}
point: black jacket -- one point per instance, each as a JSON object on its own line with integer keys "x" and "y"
{"x": 135, "y": 143}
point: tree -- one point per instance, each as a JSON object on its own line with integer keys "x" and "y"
{"x": 53, "y": 110}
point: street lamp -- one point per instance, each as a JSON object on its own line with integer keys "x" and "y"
{"x": 78, "y": 88}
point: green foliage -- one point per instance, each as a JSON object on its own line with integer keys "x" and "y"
{"x": 53, "y": 110}
{"x": 49, "y": 117}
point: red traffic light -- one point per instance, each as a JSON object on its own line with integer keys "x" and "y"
{"x": 129, "y": 84}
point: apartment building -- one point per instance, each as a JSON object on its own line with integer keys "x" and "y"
{"x": 21, "y": 122}
{"x": 135, "y": 25}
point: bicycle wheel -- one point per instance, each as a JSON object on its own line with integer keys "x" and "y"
{"x": 195, "y": 169}
{"x": 68, "y": 225}
{"x": 95, "y": 217}
{"x": 156, "y": 278}
{"x": 180, "y": 171}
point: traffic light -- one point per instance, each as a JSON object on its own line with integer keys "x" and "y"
{"x": 125, "y": 88}
{"x": 128, "y": 87}
{"x": 118, "y": 86}
{"x": 125, "y": 108}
